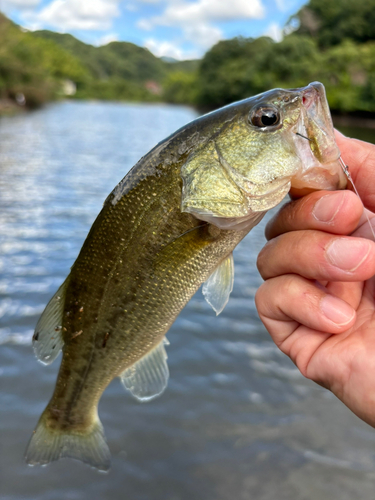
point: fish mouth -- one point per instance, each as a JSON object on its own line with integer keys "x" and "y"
{"x": 315, "y": 143}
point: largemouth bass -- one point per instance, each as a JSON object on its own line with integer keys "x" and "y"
{"x": 168, "y": 227}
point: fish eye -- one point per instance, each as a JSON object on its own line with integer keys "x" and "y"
{"x": 264, "y": 116}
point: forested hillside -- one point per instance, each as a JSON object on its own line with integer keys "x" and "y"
{"x": 332, "y": 41}
{"x": 34, "y": 67}
{"x": 38, "y": 64}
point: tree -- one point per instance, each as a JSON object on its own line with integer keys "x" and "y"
{"x": 332, "y": 21}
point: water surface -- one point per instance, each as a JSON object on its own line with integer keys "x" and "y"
{"x": 237, "y": 419}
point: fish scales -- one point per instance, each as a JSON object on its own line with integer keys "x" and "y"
{"x": 170, "y": 225}
{"x": 135, "y": 300}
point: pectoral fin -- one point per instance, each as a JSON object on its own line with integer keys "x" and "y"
{"x": 47, "y": 338}
{"x": 148, "y": 378}
{"x": 219, "y": 285}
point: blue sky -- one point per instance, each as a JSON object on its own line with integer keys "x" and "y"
{"x": 183, "y": 29}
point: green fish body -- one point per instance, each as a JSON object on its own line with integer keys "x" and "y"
{"x": 168, "y": 227}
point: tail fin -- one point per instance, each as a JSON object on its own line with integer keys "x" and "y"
{"x": 47, "y": 445}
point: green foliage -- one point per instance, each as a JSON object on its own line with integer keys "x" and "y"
{"x": 333, "y": 41}
{"x": 115, "y": 89}
{"x": 55, "y": 60}
{"x": 36, "y": 64}
{"x": 180, "y": 88}
{"x": 117, "y": 59}
{"x": 332, "y": 21}
{"x": 230, "y": 70}
{"x": 118, "y": 70}
{"x": 33, "y": 67}
{"x": 238, "y": 68}
{"x": 348, "y": 70}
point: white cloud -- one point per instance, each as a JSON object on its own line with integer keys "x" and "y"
{"x": 19, "y": 4}
{"x": 274, "y": 31}
{"x": 203, "y": 35}
{"x": 66, "y": 15}
{"x": 145, "y": 24}
{"x": 281, "y": 5}
{"x": 284, "y": 5}
{"x": 168, "y": 49}
{"x": 131, "y": 7}
{"x": 210, "y": 10}
{"x": 182, "y": 13}
{"x": 104, "y": 40}
{"x": 195, "y": 18}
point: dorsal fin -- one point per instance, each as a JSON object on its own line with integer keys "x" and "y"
{"x": 47, "y": 338}
{"x": 218, "y": 287}
{"x": 148, "y": 377}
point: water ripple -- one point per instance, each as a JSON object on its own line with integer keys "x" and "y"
{"x": 237, "y": 420}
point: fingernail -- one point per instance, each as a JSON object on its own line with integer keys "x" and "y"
{"x": 336, "y": 310}
{"x": 348, "y": 254}
{"x": 327, "y": 207}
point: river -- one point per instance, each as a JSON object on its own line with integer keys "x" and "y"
{"x": 237, "y": 420}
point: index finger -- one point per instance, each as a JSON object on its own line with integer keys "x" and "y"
{"x": 336, "y": 212}
{"x": 360, "y": 158}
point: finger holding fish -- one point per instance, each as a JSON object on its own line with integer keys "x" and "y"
{"x": 317, "y": 310}
{"x": 331, "y": 258}
{"x": 341, "y": 263}
{"x": 337, "y": 212}
{"x": 359, "y": 157}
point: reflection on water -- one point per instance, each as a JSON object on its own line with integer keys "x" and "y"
{"x": 237, "y": 419}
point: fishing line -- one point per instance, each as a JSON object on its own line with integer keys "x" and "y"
{"x": 345, "y": 169}
{"x": 349, "y": 177}
{"x": 304, "y": 137}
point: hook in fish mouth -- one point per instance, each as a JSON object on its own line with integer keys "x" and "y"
{"x": 304, "y": 137}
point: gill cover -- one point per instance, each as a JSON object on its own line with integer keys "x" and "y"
{"x": 238, "y": 174}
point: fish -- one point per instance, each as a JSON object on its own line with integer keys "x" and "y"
{"x": 167, "y": 228}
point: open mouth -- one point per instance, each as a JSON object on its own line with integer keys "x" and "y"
{"x": 315, "y": 143}
{"x": 318, "y": 125}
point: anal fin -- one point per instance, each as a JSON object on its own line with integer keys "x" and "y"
{"x": 218, "y": 287}
{"x": 148, "y": 377}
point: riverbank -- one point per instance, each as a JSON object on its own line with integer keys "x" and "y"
{"x": 9, "y": 107}
{"x": 354, "y": 121}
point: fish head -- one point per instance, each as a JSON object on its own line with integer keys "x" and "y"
{"x": 260, "y": 148}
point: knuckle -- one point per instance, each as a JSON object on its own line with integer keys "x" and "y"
{"x": 259, "y": 294}
{"x": 287, "y": 214}
{"x": 265, "y": 300}
{"x": 260, "y": 261}
{"x": 265, "y": 258}
{"x": 291, "y": 287}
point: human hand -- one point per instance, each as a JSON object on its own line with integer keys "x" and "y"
{"x": 318, "y": 299}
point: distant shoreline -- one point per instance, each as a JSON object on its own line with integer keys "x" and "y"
{"x": 9, "y": 107}
{"x": 353, "y": 121}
